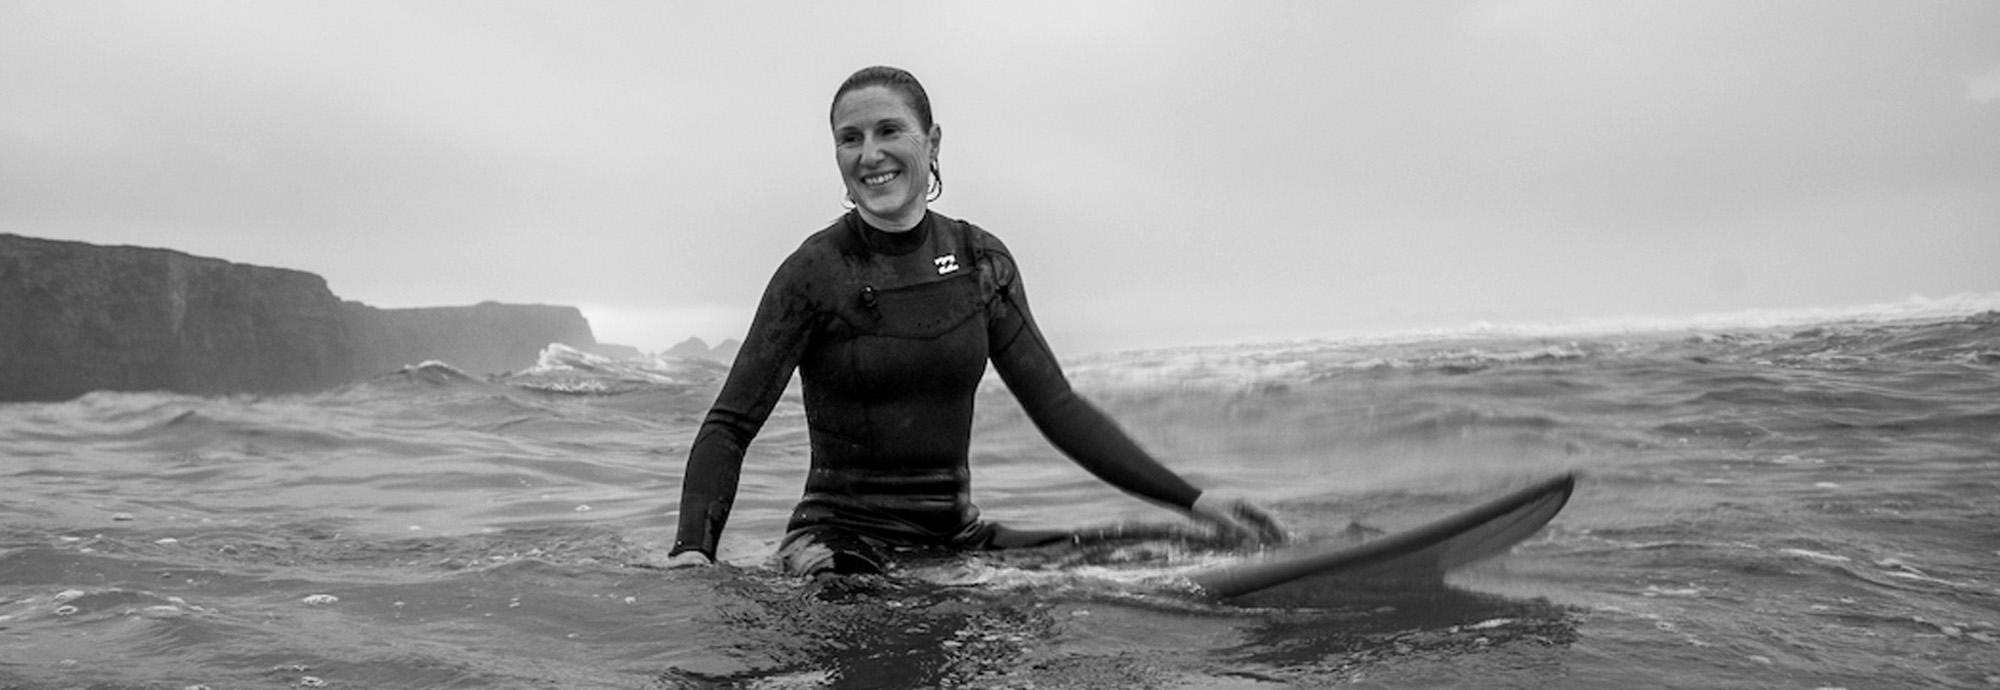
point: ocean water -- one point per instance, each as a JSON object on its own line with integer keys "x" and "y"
{"x": 1803, "y": 500}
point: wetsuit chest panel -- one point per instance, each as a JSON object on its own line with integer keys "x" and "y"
{"x": 913, "y": 363}
{"x": 910, "y": 326}
{"x": 911, "y": 340}
{"x": 924, "y": 311}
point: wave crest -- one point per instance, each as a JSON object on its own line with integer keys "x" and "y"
{"x": 564, "y": 369}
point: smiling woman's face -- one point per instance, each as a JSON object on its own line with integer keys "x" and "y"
{"x": 884, "y": 154}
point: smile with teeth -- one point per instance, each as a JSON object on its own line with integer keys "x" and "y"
{"x": 879, "y": 179}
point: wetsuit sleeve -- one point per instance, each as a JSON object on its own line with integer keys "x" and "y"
{"x": 1073, "y": 424}
{"x": 763, "y": 367}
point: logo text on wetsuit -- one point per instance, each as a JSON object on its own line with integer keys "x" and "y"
{"x": 946, "y": 264}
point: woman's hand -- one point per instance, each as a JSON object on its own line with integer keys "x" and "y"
{"x": 1237, "y": 519}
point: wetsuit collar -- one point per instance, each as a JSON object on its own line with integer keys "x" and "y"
{"x": 890, "y": 243}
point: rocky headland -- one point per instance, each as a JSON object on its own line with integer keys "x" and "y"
{"x": 696, "y": 348}
{"x": 78, "y": 317}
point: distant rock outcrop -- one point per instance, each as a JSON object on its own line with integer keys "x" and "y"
{"x": 696, "y": 348}
{"x": 78, "y": 317}
{"x": 692, "y": 348}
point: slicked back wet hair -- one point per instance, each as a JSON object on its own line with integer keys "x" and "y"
{"x": 895, "y": 79}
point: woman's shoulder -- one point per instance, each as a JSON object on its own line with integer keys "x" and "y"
{"x": 981, "y": 241}
{"x": 814, "y": 257}
{"x": 819, "y": 248}
{"x": 997, "y": 267}
{"x": 834, "y": 237}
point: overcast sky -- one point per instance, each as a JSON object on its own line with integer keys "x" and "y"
{"x": 1167, "y": 173}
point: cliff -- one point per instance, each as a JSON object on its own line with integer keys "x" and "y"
{"x": 78, "y": 317}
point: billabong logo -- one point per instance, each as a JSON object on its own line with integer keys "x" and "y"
{"x": 946, "y": 264}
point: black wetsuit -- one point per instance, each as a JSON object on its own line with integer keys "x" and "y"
{"x": 891, "y": 333}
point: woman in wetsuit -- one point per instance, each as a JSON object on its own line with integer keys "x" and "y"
{"x": 890, "y": 315}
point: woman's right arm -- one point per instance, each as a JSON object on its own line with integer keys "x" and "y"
{"x": 757, "y": 379}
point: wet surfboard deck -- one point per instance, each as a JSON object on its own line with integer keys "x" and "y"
{"x": 1421, "y": 554}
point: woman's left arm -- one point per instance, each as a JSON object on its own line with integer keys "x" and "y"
{"x": 1082, "y": 431}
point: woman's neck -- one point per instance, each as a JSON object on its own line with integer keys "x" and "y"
{"x": 895, "y": 225}
{"x": 891, "y": 243}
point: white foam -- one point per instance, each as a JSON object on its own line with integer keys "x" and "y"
{"x": 1236, "y": 365}
{"x": 1915, "y": 308}
{"x": 558, "y": 358}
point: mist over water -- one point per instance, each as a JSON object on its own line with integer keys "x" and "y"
{"x": 1803, "y": 501}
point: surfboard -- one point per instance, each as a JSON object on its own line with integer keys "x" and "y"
{"x": 1426, "y": 552}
